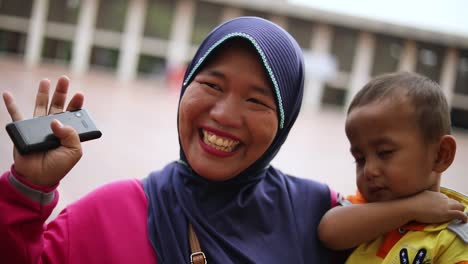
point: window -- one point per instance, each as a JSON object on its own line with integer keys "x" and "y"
{"x": 301, "y": 30}
{"x": 459, "y": 117}
{"x": 111, "y": 15}
{"x": 461, "y": 84}
{"x": 343, "y": 47}
{"x": 104, "y": 57}
{"x": 430, "y": 60}
{"x": 151, "y": 65}
{"x": 207, "y": 17}
{"x": 16, "y": 8}
{"x": 12, "y": 42}
{"x": 159, "y": 18}
{"x": 387, "y": 54}
{"x": 57, "y": 50}
{"x": 333, "y": 96}
{"x": 64, "y": 11}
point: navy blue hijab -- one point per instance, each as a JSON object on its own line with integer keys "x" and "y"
{"x": 261, "y": 215}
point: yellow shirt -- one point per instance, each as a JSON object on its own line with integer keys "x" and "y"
{"x": 416, "y": 243}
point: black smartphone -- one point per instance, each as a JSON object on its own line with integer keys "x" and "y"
{"x": 35, "y": 134}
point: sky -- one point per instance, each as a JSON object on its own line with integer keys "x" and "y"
{"x": 449, "y": 16}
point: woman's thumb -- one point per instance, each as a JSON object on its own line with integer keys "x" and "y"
{"x": 66, "y": 134}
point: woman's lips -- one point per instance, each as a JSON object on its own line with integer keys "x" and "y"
{"x": 217, "y": 142}
{"x": 214, "y": 151}
{"x": 219, "y": 133}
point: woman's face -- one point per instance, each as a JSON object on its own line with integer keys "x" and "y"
{"x": 227, "y": 115}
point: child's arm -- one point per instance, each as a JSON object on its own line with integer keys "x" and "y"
{"x": 346, "y": 227}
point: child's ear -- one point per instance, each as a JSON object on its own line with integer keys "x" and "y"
{"x": 445, "y": 154}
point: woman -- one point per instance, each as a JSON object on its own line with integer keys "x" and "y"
{"x": 241, "y": 95}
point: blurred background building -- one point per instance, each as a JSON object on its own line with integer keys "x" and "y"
{"x": 141, "y": 37}
{"x": 128, "y": 41}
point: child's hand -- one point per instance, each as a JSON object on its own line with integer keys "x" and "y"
{"x": 435, "y": 207}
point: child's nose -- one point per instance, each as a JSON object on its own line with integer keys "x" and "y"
{"x": 371, "y": 170}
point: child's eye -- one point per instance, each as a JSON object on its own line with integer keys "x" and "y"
{"x": 385, "y": 153}
{"x": 359, "y": 161}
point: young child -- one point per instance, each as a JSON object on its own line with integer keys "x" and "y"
{"x": 398, "y": 127}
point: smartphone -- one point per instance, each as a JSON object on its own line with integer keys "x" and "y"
{"x": 35, "y": 134}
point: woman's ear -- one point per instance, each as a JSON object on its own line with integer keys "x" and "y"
{"x": 445, "y": 153}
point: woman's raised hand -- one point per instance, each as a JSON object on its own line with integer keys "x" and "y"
{"x": 48, "y": 168}
{"x": 435, "y": 207}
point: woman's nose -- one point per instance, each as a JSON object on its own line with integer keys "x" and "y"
{"x": 227, "y": 112}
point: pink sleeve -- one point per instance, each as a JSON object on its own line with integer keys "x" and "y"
{"x": 334, "y": 197}
{"x": 23, "y": 236}
{"x": 31, "y": 185}
{"x": 108, "y": 225}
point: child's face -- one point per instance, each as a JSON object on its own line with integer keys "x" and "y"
{"x": 392, "y": 158}
{"x": 227, "y": 115}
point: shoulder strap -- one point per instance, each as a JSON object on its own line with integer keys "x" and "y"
{"x": 196, "y": 256}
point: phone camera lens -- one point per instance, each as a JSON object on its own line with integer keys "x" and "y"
{"x": 78, "y": 114}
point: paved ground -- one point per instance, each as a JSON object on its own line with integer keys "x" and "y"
{"x": 138, "y": 121}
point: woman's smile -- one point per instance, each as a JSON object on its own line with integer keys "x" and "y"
{"x": 218, "y": 143}
{"x": 227, "y": 115}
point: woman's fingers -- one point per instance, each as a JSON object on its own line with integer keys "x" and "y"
{"x": 76, "y": 102}
{"x": 11, "y": 106}
{"x": 60, "y": 95}
{"x": 42, "y": 98}
{"x": 456, "y": 205}
{"x": 68, "y": 137}
{"x": 459, "y": 215}
{"x": 457, "y": 210}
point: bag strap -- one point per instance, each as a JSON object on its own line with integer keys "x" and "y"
{"x": 197, "y": 256}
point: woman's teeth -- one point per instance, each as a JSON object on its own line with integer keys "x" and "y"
{"x": 219, "y": 143}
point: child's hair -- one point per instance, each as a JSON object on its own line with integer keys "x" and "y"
{"x": 430, "y": 105}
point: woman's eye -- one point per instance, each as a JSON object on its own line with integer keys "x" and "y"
{"x": 256, "y": 101}
{"x": 213, "y": 86}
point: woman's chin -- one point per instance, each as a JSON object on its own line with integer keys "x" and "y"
{"x": 214, "y": 173}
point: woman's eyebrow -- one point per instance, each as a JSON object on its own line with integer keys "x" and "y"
{"x": 215, "y": 73}
{"x": 262, "y": 90}
{"x": 257, "y": 88}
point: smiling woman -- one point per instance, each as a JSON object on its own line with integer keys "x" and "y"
{"x": 221, "y": 109}
{"x": 241, "y": 95}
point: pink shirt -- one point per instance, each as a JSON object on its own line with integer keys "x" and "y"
{"x": 109, "y": 225}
